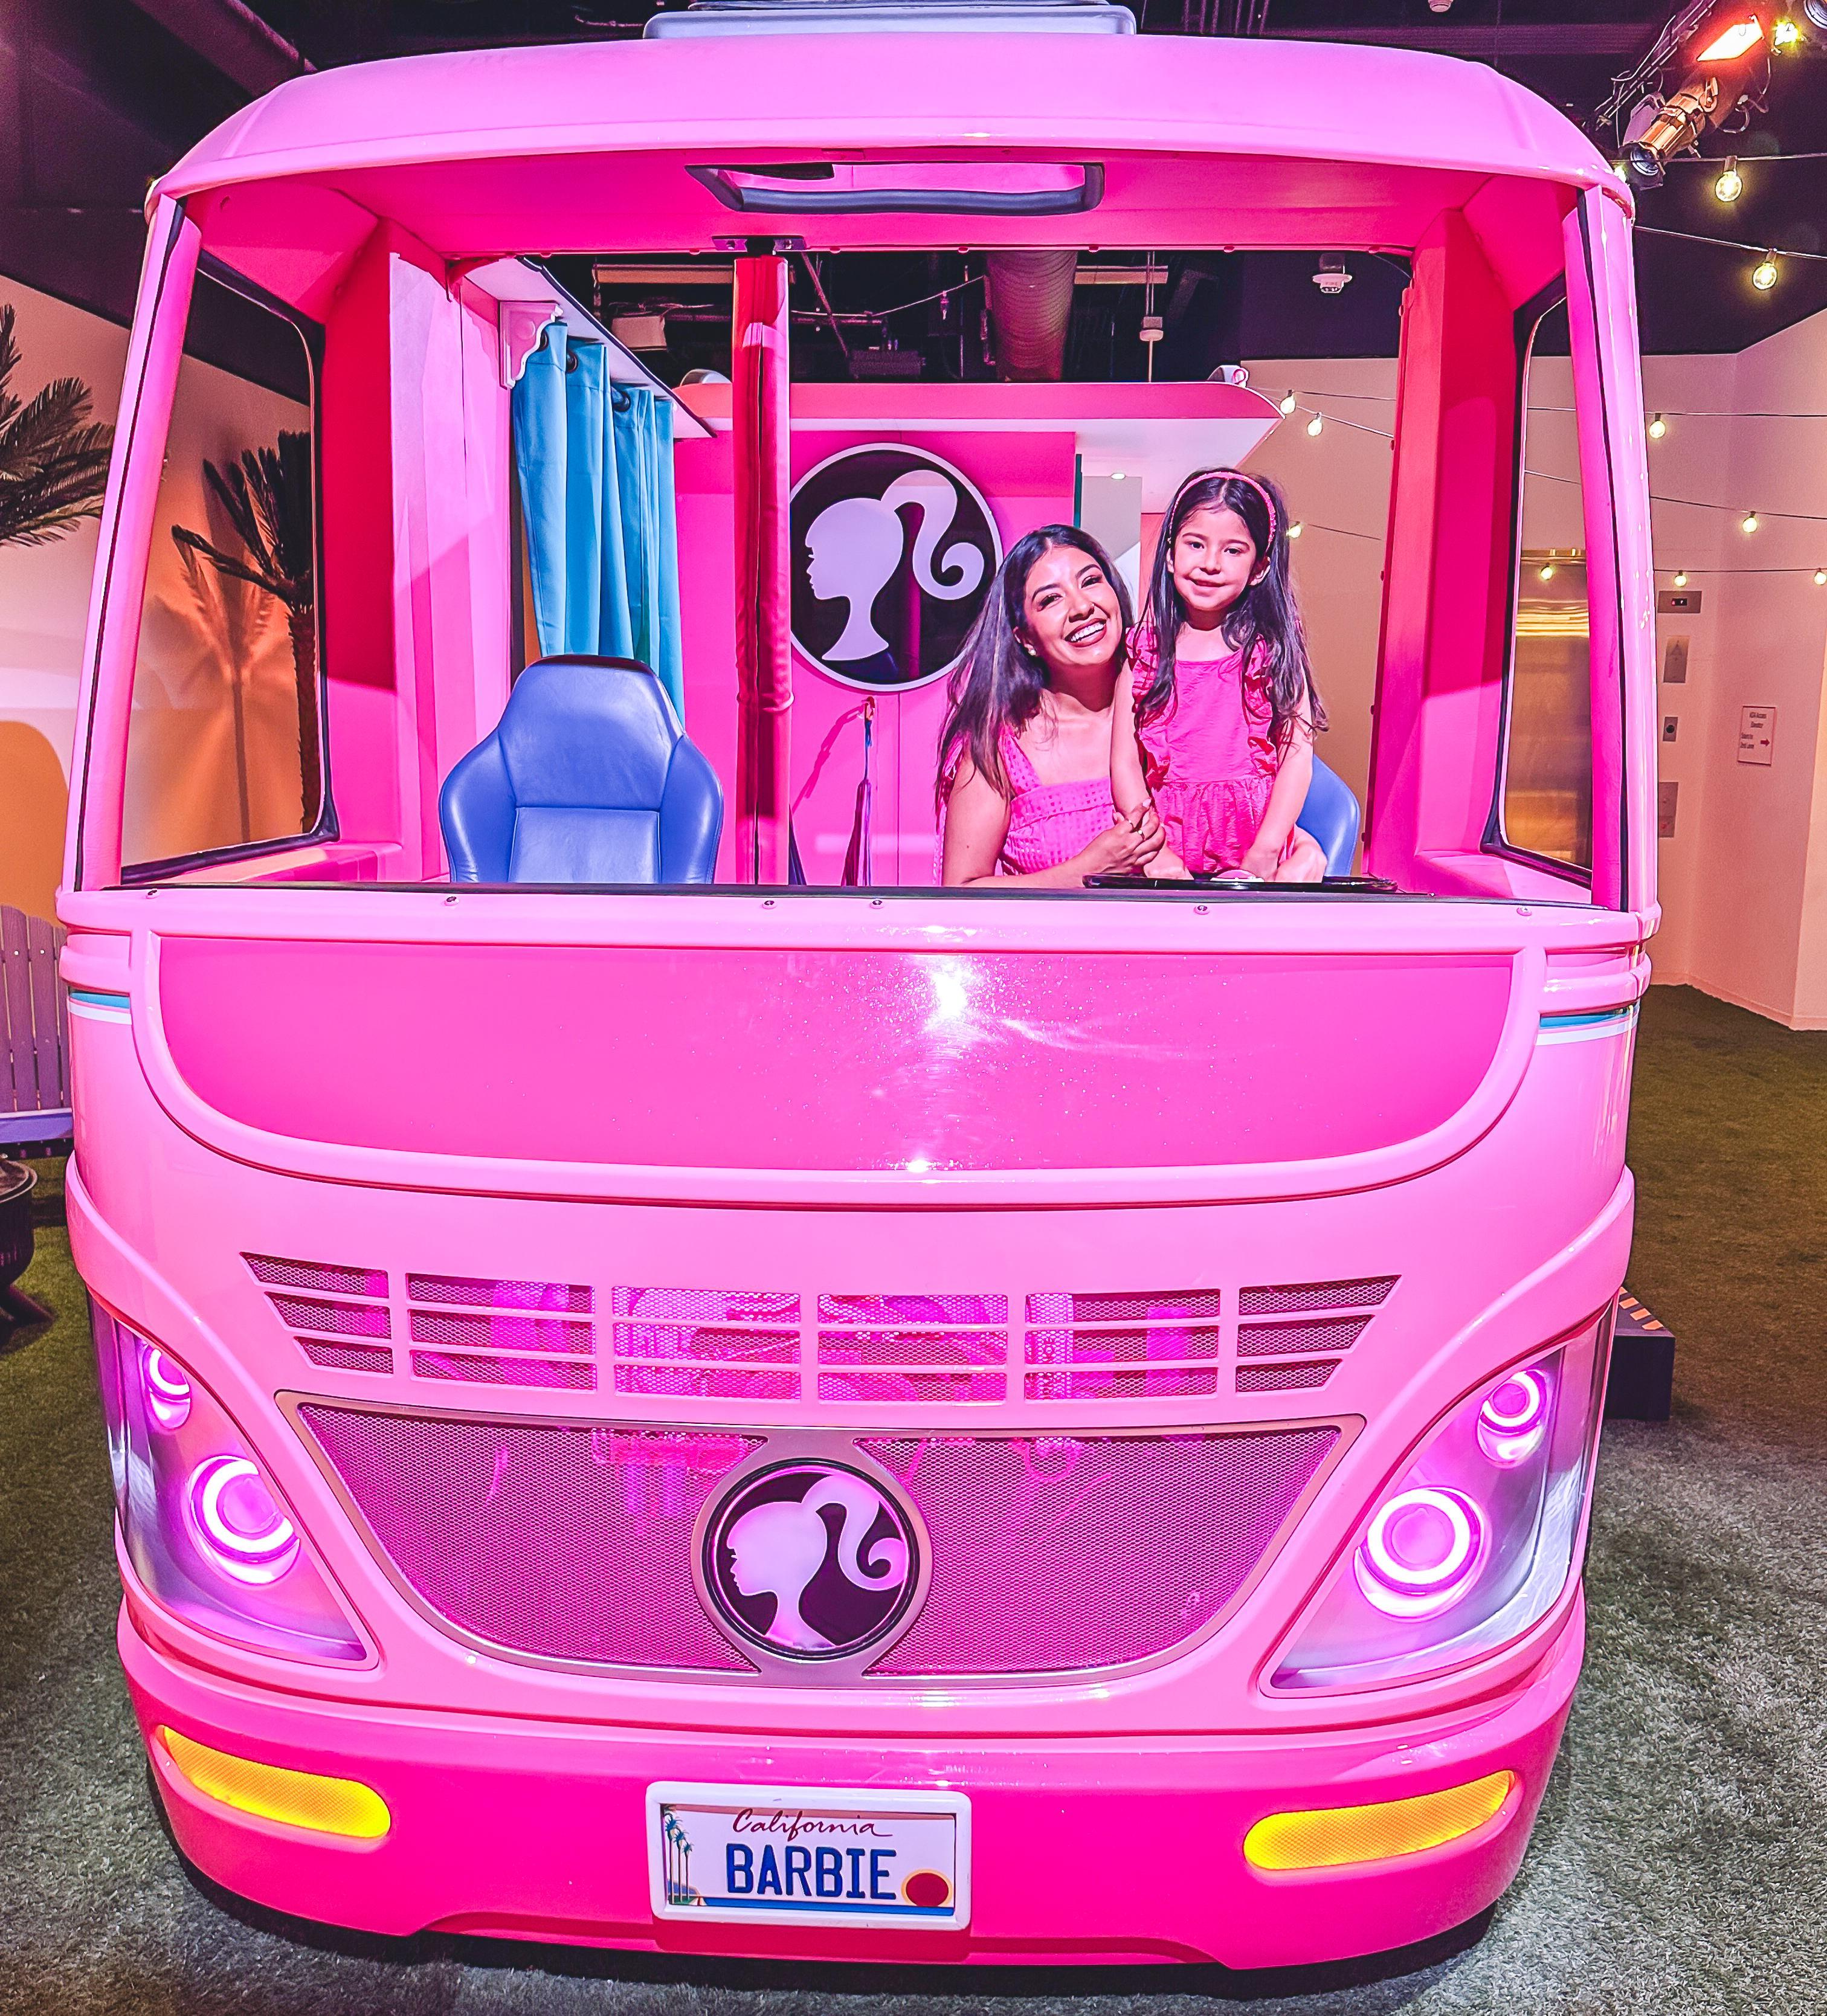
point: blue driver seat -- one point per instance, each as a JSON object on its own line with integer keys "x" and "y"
{"x": 1331, "y": 815}
{"x": 589, "y": 777}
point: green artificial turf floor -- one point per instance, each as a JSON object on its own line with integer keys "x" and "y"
{"x": 1680, "y": 1864}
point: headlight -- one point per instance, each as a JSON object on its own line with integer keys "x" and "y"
{"x": 1474, "y": 1542}
{"x": 203, "y": 1528}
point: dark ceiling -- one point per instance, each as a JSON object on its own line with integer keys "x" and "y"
{"x": 104, "y": 93}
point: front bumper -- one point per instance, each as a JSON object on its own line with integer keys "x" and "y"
{"x": 1124, "y": 1849}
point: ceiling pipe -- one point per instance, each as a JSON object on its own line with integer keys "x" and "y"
{"x": 1030, "y": 305}
{"x": 231, "y": 38}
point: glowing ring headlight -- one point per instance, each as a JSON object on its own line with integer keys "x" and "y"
{"x": 167, "y": 1390}
{"x": 1513, "y": 1421}
{"x": 241, "y": 1529}
{"x": 1417, "y": 1583}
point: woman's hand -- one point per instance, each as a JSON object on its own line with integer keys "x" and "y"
{"x": 1129, "y": 846}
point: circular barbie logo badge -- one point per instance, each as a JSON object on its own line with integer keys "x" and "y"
{"x": 810, "y": 1562}
{"x": 893, "y": 553}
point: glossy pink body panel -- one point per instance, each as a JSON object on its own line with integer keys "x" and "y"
{"x": 795, "y": 1106}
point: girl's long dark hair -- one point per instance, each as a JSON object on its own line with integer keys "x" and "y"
{"x": 1264, "y": 623}
{"x": 997, "y": 683}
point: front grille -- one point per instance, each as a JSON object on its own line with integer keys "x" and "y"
{"x": 557, "y": 1542}
{"x": 318, "y": 1276}
{"x": 1328, "y": 1327}
{"x": 1055, "y": 1554}
{"x": 897, "y": 1349}
{"x": 707, "y": 1343}
{"x": 1051, "y": 1554}
{"x": 313, "y": 1318}
{"x": 494, "y": 1332}
{"x": 1123, "y": 1347}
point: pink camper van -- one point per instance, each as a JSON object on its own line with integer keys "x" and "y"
{"x": 672, "y": 1383}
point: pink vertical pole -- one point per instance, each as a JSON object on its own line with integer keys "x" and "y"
{"x": 760, "y": 422}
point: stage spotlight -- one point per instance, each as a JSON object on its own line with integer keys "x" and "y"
{"x": 1722, "y": 64}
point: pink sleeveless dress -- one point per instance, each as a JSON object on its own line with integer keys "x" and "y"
{"x": 1048, "y": 823}
{"x": 1208, "y": 761}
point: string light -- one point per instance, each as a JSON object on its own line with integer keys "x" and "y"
{"x": 1547, "y": 571}
{"x": 1288, "y": 401}
{"x": 1658, "y": 427}
{"x": 1764, "y": 275}
{"x": 1750, "y": 521}
{"x": 1820, "y": 576}
{"x": 1786, "y": 35}
{"x": 1730, "y": 185}
{"x": 1316, "y": 424}
{"x": 1680, "y": 581}
{"x": 1295, "y": 530}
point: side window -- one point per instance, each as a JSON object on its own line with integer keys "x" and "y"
{"x": 1546, "y": 801}
{"x": 224, "y": 743}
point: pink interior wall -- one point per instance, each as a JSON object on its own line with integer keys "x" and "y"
{"x": 1027, "y": 479}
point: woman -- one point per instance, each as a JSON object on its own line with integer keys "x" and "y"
{"x": 1024, "y": 757}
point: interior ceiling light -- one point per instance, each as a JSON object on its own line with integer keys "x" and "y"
{"x": 1331, "y": 279}
{"x": 1658, "y": 427}
{"x": 1118, "y": 475}
{"x": 1730, "y": 185}
{"x": 1764, "y": 275}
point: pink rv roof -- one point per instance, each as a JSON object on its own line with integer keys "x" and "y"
{"x": 1410, "y": 131}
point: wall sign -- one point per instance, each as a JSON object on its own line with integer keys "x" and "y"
{"x": 894, "y": 552}
{"x": 1757, "y": 734}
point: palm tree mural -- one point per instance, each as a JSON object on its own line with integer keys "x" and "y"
{"x": 267, "y": 496}
{"x": 53, "y": 458}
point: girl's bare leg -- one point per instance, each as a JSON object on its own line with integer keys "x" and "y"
{"x": 1306, "y": 861}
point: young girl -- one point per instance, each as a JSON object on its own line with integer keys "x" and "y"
{"x": 1024, "y": 757}
{"x": 1217, "y": 709}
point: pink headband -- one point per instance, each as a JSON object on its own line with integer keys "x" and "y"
{"x": 1236, "y": 476}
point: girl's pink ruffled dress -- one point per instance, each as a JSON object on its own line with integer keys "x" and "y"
{"x": 1208, "y": 761}
{"x": 1048, "y": 823}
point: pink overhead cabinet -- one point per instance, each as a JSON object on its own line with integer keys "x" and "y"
{"x": 869, "y": 1423}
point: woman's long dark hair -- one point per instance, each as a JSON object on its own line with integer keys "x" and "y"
{"x": 1264, "y": 623}
{"x": 997, "y": 682}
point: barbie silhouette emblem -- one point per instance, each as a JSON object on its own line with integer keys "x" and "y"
{"x": 893, "y": 552}
{"x": 809, "y": 1564}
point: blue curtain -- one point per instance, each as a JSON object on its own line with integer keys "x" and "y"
{"x": 595, "y": 460}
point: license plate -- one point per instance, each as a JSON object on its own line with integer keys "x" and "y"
{"x": 814, "y": 1855}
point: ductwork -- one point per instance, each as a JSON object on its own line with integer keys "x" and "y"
{"x": 231, "y": 37}
{"x": 1031, "y": 304}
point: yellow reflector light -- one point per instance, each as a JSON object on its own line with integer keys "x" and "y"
{"x": 300, "y": 1798}
{"x": 1336, "y": 1834}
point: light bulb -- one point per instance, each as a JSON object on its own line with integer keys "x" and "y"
{"x": 1764, "y": 275}
{"x": 1289, "y": 401}
{"x": 1785, "y": 35}
{"x": 1315, "y": 424}
{"x": 1730, "y": 185}
{"x": 1658, "y": 427}
{"x": 1750, "y": 521}
{"x": 1117, "y": 475}
{"x": 1680, "y": 581}
{"x": 1547, "y": 571}
{"x": 1295, "y": 530}
{"x": 1820, "y": 576}
{"x": 1741, "y": 36}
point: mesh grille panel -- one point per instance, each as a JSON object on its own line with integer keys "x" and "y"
{"x": 1297, "y": 1296}
{"x": 1109, "y": 1382}
{"x": 1284, "y": 1378}
{"x": 560, "y": 1542}
{"x": 879, "y": 1310}
{"x": 1276, "y": 1340}
{"x": 480, "y": 1370}
{"x": 764, "y": 1306}
{"x": 500, "y": 1333}
{"x": 564, "y": 1297}
{"x": 912, "y": 1347}
{"x": 1119, "y": 1347}
{"x": 337, "y": 1318}
{"x": 1158, "y": 1306}
{"x": 347, "y": 1357}
{"x": 709, "y": 1341}
{"x": 708, "y": 1382}
{"x": 309, "y": 1274}
{"x": 1056, "y": 1554}
{"x": 891, "y": 1387}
